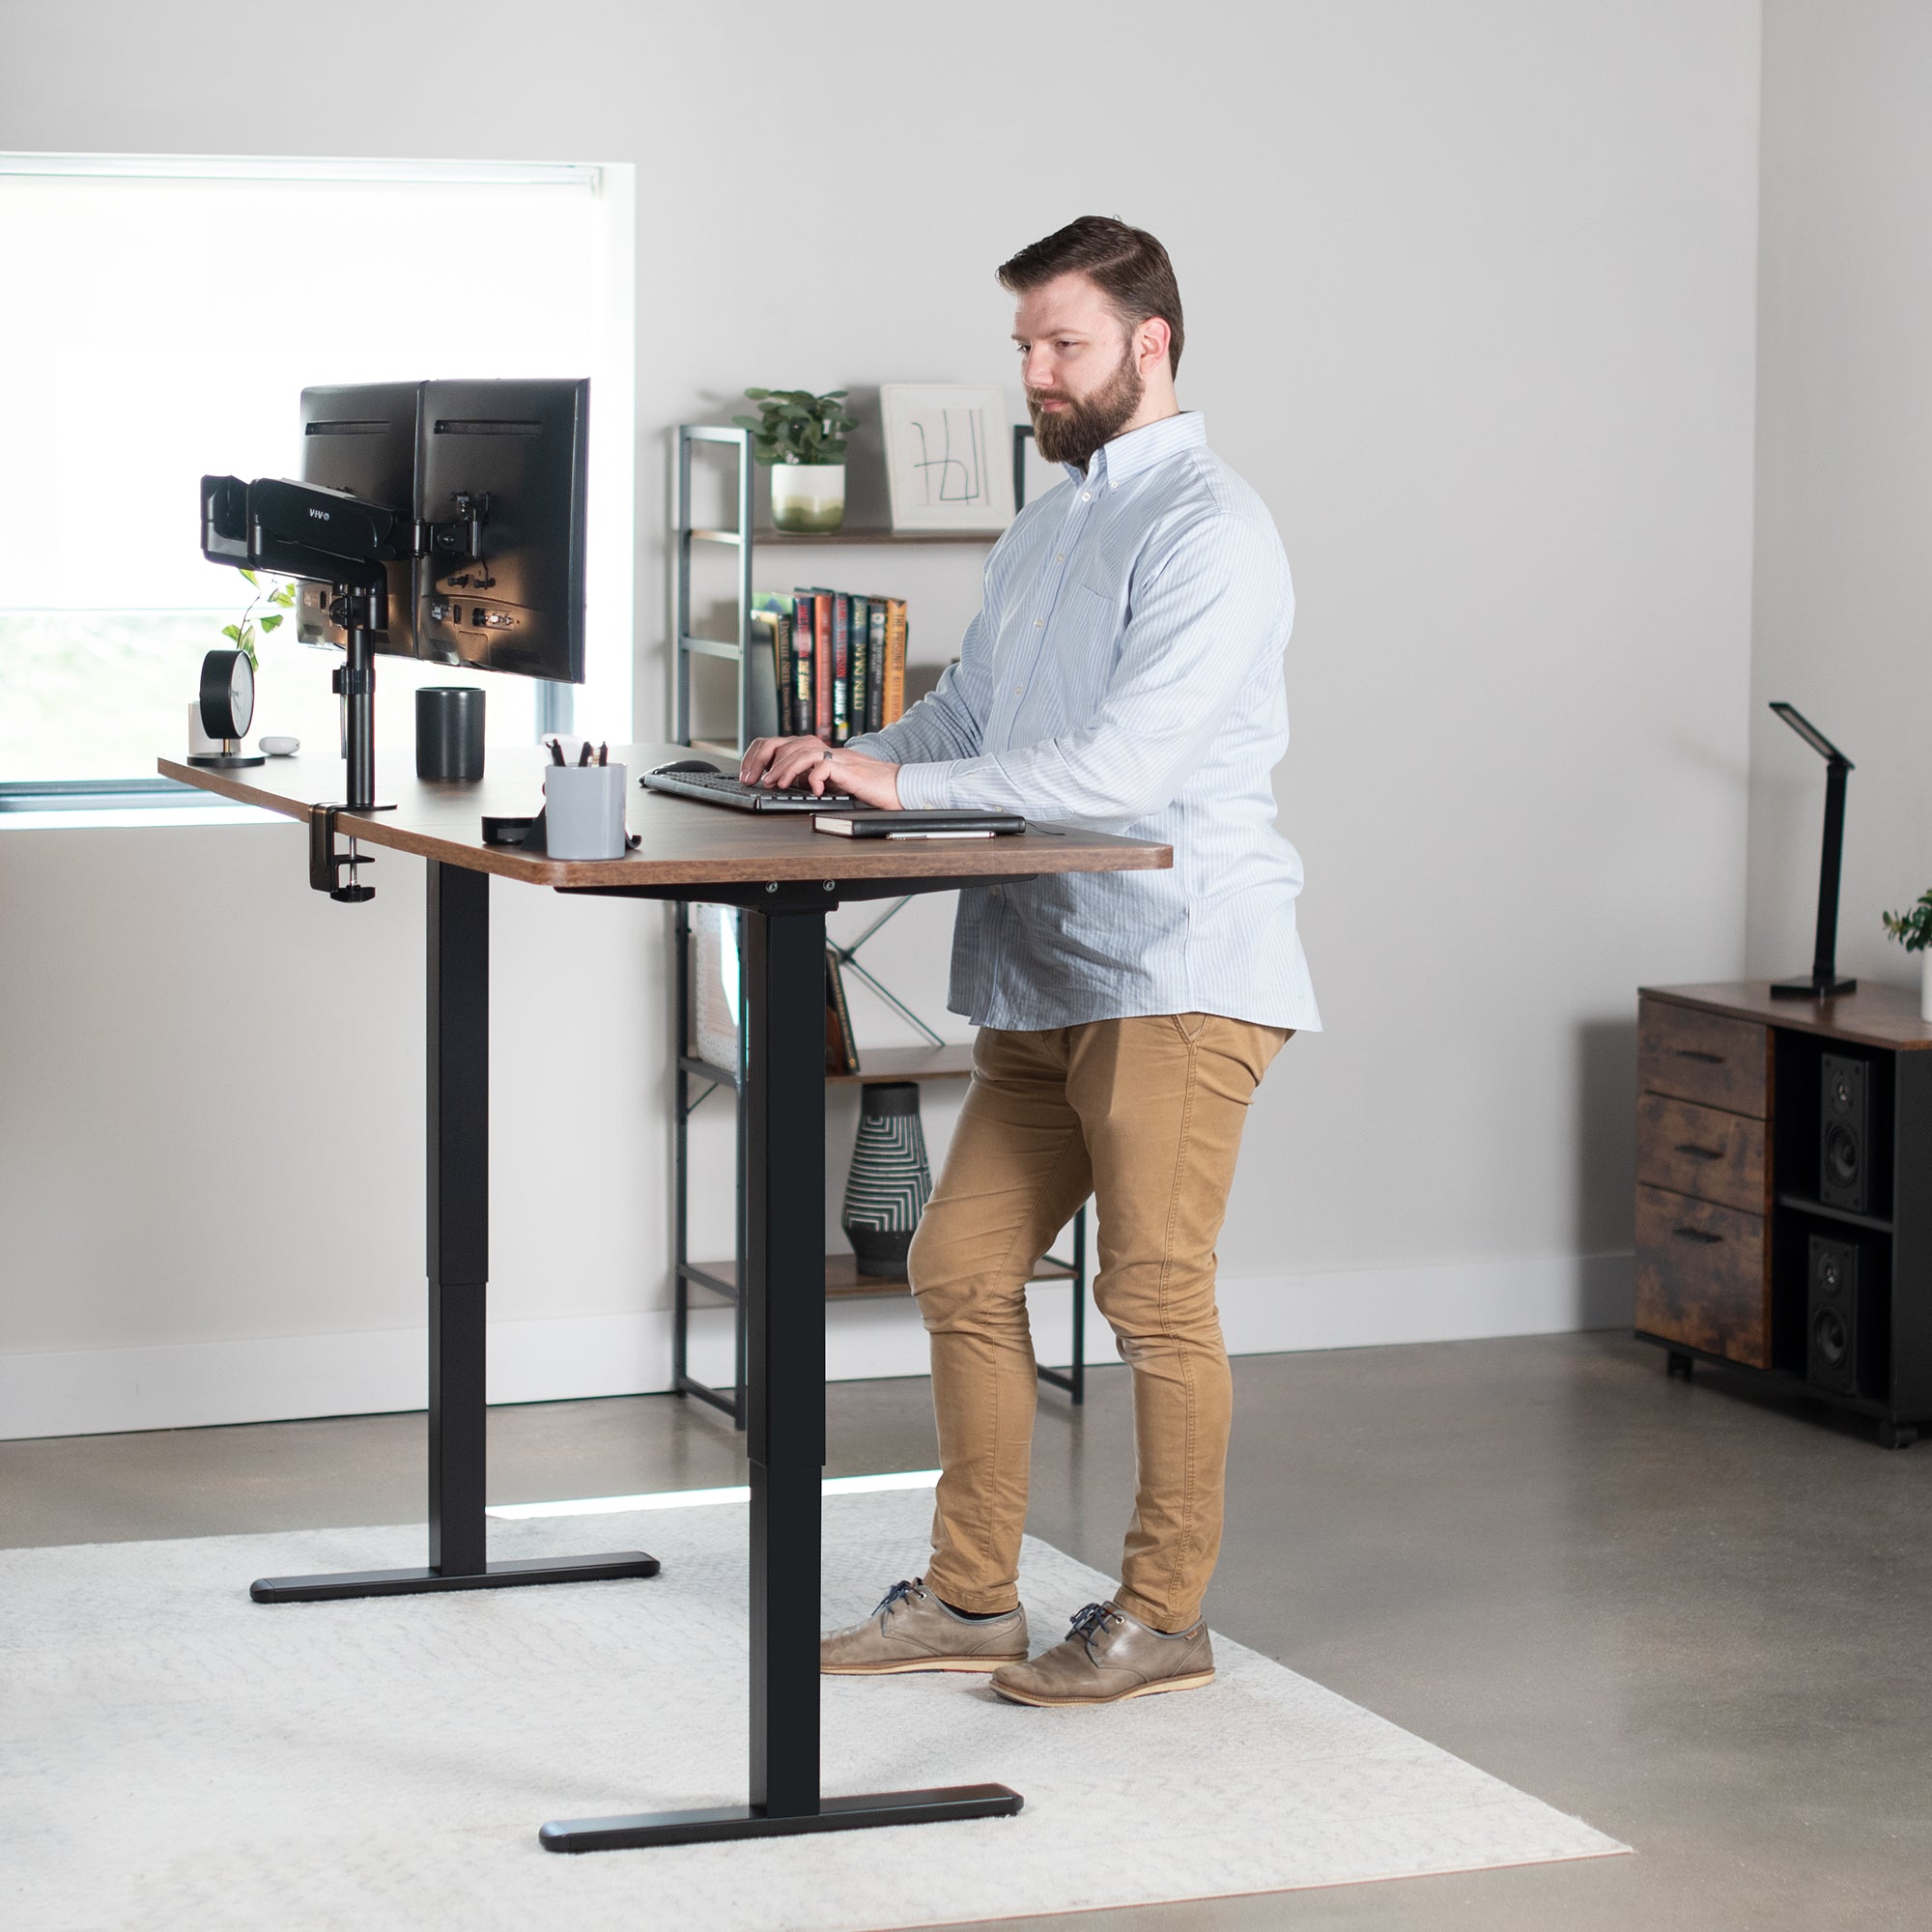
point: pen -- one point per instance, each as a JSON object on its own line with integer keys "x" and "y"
{"x": 583, "y": 756}
{"x": 603, "y": 755}
{"x": 556, "y": 752}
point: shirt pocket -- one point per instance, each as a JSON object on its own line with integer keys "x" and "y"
{"x": 1084, "y": 645}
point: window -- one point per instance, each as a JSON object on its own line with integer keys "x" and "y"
{"x": 162, "y": 318}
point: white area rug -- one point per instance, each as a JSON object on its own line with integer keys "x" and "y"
{"x": 173, "y": 1755}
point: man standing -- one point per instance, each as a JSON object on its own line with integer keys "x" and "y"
{"x": 1124, "y": 674}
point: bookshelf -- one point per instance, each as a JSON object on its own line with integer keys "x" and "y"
{"x": 696, "y": 1080}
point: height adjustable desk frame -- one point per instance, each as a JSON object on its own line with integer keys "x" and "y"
{"x": 456, "y": 936}
{"x": 690, "y": 852}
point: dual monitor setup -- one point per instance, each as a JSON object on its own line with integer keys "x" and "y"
{"x": 441, "y": 520}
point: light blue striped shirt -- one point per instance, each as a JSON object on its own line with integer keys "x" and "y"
{"x": 1124, "y": 674}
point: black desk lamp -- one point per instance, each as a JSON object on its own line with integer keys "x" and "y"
{"x": 1823, "y": 981}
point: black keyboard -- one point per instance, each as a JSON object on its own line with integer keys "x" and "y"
{"x": 716, "y": 788}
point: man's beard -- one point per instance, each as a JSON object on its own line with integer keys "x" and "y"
{"x": 1073, "y": 434}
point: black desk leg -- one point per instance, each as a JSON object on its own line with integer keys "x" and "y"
{"x": 784, "y": 1268}
{"x": 458, "y": 1164}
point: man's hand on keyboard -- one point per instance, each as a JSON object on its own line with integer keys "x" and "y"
{"x": 809, "y": 764}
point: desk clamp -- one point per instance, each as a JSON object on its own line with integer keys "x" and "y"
{"x": 325, "y": 862}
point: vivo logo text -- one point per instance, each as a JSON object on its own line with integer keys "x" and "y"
{"x": 321, "y": 516}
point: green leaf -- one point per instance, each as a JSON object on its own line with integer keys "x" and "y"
{"x": 232, "y": 630}
{"x": 751, "y": 423}
{"x": 757, "y": 395}
{"x": 270, "y": 623}
{"x": 251, "y": 577}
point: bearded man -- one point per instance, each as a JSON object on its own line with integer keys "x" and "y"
{"x": 1126, "y": 674}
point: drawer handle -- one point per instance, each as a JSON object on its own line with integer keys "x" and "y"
{"x": 1702, "y": 1153}
{"x": 1697, "y": 1235}
{"x": 1691, "y": 1053}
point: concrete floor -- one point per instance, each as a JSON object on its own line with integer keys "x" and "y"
{"x": 1696, "y": 1620}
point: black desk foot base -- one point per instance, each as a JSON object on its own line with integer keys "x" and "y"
{"x": 946, "y": 1805}
{"x": 419, "y": 1582}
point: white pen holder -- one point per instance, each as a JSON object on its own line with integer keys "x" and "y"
{"x": 583, "y": 811}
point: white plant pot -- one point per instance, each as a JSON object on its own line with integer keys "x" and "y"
{"x": 199, "y": 744}
{"x": 807, "y": 496}
{"x": 1925, "y": 984}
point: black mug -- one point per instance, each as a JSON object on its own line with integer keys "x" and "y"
{"x": 450, "y": 731}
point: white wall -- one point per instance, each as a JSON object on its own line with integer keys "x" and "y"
{"x": 1843, "y": 612}
{"x": 1469, "y": 299}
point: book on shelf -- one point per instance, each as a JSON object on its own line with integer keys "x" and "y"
{"x": 841, "y": 1049}
{"x": 875, "y": 662}
{"x": 893, "y": 707}
{"x": 768, "y": 672}
{"x": 861, "y": 635}
{"x": 821, "y": 662}
{"x": 805, "y": 653}
{"x": 841, "y": 666}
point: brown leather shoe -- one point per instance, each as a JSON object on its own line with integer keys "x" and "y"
{"x": 1108, "y": 1656}
{"x": 912, "y": 1630}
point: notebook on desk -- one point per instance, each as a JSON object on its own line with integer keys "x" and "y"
{"x": 867, "y": 824}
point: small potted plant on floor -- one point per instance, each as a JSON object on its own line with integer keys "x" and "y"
{"x": 1912, "y": 930}
{"x": 802, "y": 437}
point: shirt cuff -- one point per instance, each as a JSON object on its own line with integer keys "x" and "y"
{"x": 925, "y": 788}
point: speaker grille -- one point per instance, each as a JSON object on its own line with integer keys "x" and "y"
{"x": 1832, "y": 1343}
{"x": 1844, "y": 1142}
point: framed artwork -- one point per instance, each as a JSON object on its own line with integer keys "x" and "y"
{"x": 949, "y": 463}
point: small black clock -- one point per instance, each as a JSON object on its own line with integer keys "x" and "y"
{"x": 227, "y": 709}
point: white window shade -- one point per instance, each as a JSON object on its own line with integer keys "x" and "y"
{"x": 162, "y": 321}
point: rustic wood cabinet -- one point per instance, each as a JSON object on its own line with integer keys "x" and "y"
{"x": 1784, "y": 1192}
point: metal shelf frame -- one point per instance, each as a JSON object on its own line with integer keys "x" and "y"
{"x": 693, "y": 1080}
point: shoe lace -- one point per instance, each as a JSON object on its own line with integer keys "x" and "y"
{"x": 905, "y": 1588}
{"x": 1092, "y": 1620}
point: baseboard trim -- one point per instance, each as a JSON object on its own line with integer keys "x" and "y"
{"x": 101, "y": 1391}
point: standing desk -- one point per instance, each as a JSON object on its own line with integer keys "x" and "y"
{"x": 790, "y": 877}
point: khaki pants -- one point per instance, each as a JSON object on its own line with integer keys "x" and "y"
{"x": 1146, "y": 1115}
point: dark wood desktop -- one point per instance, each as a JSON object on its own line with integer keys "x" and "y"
{"x": 777, "y": 868}
{"x": 1738, "y": 1212}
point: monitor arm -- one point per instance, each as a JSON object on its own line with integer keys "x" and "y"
{"x": 321, "y": 537}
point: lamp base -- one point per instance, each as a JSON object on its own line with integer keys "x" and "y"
{"x": 1817, "y": 986}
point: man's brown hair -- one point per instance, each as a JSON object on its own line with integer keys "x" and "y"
{"x": 1129, "y": 266}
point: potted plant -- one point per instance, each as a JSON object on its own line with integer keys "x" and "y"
{"x": 243, "y": 633}
{"x": 1912, "y": 930}
{"x": 802, "y": 437}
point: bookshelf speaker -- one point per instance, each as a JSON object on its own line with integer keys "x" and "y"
{"x": 1840, "y": 1335}
{"x": 1844, "y": 1133}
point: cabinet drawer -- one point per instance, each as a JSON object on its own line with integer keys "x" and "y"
{"x": 1703, "y": 1057}
{"x": 1700, "y": 1151}
{"x": 1702, "y": 1276}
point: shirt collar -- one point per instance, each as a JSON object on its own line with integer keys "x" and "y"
{"x": 1141, "y": 448}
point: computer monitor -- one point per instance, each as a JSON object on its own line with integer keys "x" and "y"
{"x": 363, "y": 437}
{"x": 500, "y": 487}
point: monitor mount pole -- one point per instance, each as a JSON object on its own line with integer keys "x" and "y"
{"x": 361, "y": 611}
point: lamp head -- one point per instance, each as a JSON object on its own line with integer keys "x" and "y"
{"x": 1812, "y": 734}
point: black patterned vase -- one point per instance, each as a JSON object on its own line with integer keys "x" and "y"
{"x": 889, "y": 1181}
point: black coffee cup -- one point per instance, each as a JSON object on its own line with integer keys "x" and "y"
{"x": 450, "y": 731}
